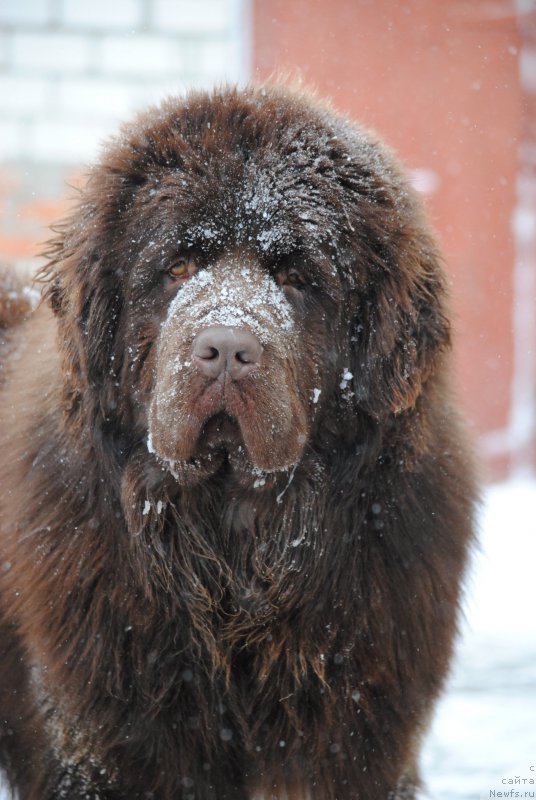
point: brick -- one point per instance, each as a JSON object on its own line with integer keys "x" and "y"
{"x": 142, "y": 56}
{"x": 22, "y": 95}
{"x": 17, "y": 247}
{"x": 97, "y": 98}
{"x": 52, "y": 53}
{"x": 63, "y": 141}
{"x": 217, "y": 61}
{"x": 44, "y": 211}
{"x": 154, "y": 92}
{"x": 11, "y": 140}
{"x": 5, "y": 54}
{"x": 24, "y": 12}
{"x": 527, "y": 69}
{"x": 242, "y": 37}
{"x": 10, "y": 181}
{"x": 102, "y": 14}
{"x": 193, "y": 16}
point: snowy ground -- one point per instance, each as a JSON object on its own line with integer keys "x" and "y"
{"x": 484, "y": 732}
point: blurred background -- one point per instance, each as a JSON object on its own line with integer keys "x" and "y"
{"x": 452, "y": 87}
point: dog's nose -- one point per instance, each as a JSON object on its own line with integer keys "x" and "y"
{"x": 219, "y": 349}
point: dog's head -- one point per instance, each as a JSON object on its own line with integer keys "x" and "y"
{"x": 247, "y": 274}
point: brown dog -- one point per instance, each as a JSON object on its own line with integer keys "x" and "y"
{"x": 236, "y": 504}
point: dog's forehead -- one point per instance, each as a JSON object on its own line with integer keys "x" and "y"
{"x": 248, "y": 208}
{"x": 269, "y": 180}
{"x": 259, "y": 201}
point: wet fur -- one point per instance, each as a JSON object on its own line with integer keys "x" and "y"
{"x": 284, "y": 640}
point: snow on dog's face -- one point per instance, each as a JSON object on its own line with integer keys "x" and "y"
{"x": 230, "y": 375}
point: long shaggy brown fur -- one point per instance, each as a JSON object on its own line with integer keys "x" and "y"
{"x": 242, "y": 585}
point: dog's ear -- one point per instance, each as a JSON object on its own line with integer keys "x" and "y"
{"x": 83, "y": 290}
{"x": 50, "y": 275}
{"x": 400, "y": 329}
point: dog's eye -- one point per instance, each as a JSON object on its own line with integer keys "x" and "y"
{"x": 182, "y": 269}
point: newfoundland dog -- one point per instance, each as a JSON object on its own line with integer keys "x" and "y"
{"x": 236, "y": 501}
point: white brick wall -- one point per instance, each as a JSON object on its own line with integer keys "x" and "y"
{"x": 141, "y": 56}
{"x": 5, "y": 47}
{"x": 23, "y": 97}
{"x": 50, "y": 53}
{"x": 92, "y": 98}
{"x": 63, "y": 140}
{"x": 103, "y": 14}
{"x": 189, "y": 16}
{"x": 70, "y": 70}
{"x": 11, "y": 140}
{"x": 25, "y": 12}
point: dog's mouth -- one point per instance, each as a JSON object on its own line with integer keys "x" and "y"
{"x": 256, "y": 438}
{"x": 220, "y": 431}
{"x": 258, "y": 424}
{"x": 221, "y": 451}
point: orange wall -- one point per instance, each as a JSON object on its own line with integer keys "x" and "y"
{"x": 439, "y": 81}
